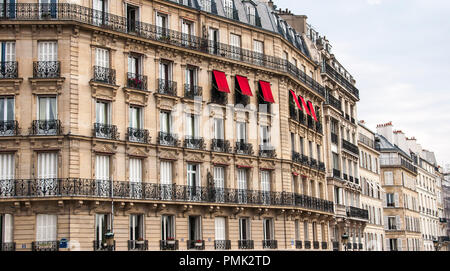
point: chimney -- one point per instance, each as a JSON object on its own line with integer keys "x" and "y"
{"x": 400, "y": 141}
{"x": 298, "y": 22}
{"x": 412, "y": 144}
{"x": 270, "y": 4}
{"x": 386, "y": 131}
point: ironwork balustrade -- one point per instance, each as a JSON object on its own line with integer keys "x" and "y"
{"x": 100, "y": 245}
{"x": 136, "y": 81}
{"x": 326, "y": 68}
{"x": 107, "y": 131}
{"x": 168, "y": 139}
{"x": 316, "y": 244}
{"x": 246, "y": 244}
{"x": 220, "y": 145}
{"x": 350, "y": 147}
{"x": 170, "y": 244}
{"x": 307, "y": 244}
{"x": 9, "y": 69}
{"x": 357, "y": 213}
{"x": 9, "y": 128}
{"x": 324, "y": 245}
{"x": 195, "y": 244}
{"x": 138, "y": 135}
{"x": 8, "y": 246}
{"x": 46, "y": 69}
{"x": 192, "y": 91}
{"x": 270, "y": 244}
{"x": 104, "y": 75}
{"x": 243, "y": 148}
{"x": 167, "y": 87}
{"x": 46, "y": 127}
{"x": 138, "y": 245}
{"x": 266, "y": 151}
{"x": 194, "y": 143}
{"x": 45, "y": 246}
{"x": 298, "y": 244}
{"x": 222, "y": 244}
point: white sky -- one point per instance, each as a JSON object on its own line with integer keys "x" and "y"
{"x": 398, "y": 53}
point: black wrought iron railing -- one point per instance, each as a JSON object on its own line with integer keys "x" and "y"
{"x": 46, "y": 69}
{"x": 307, "y": 244}
{"x": 46, "y": 127}
{"x": 192, "y": 91}
{"x": 330, "y": 100}
{"x": 221, "y": 145}
{"x": 104, "y": 75}
{"x": 267, "y": 151}
{"x": 195, "y": 244}
{"x": 100, "y": 245}
{"x": 336, "y": 173}
{"x": 137, "y": 244}
{"x": 326, "y": 68}
{"x": 324, "y": 245}
{"x": 322, "y": 166}
{"x": 170, "y": 244}
{"x": 45, "y": 246}
{"x": 85, "y": 15}
{"x": 218, "y": 97}
{"x": 194, "y": 143}
{"x": 350, "y": 147}
{"x": 298, "y": 244}
{"x": 296, "y": 157}
{"x": 108, "y": 131}
{"x": 270, "y": 244}
{"x": 316, "y": 244}
{"x": 9, "y": 128}
{"x": 9, "y": 69}
{"x": 243, "y": 148}
{"x": 246, "y": 244}
{"x": 167, "y": 87}
{"x": 222, "y": 244}
{"x": 91, "y": 188}
{"x": 168, "y": 139}
{"x": 136, "y": 81}
{"x": 11, "y": 246}
{"x": 138, "y": 135}
{"x": 357, "y": 213}
{"x": 335, "y": 246}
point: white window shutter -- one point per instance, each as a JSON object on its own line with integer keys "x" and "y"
{"x": 400, "y": 244}
{"x": 396, "y": 200}
{"x": 386, "y": 224}
{"x": 388, "y": 244}
{"x": 8, "y": 230}
{"x": 7, "y": 166}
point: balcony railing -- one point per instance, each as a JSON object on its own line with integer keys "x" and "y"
{"x": 350, "y": 147}
{"x": 9, "y": 69}
{"x": 364, "y": 139}
{"x": 194, "y": 143}
{"x": 46, "y": 69}
{"x": 243, "y": 148}
{"x": 222, "y": 244}
{"x": 7, "y": 246}
{"x": 316, "y": 244}
{"x": 81, "y": 14}
{"x": 9, "y": 128}
{"x": 170, "y": 244}
{"x": 330, "y": 100}
{"x": 266, "y": 151}
{"x": 270, "y": 244}
{"x": 298, "y": 244}
{"x": 103, "y": 246}
{"x": 45, "y": 246}
{"x": 136, "y": 81}
{"x": 357, "y": 213}
{"x": 104, "y": 75}
{"x": 335, "y": 246}
{"x": 313, "y": 163}
{"x": 296, "y": 157}
{"x": 326, "y": 68}
{"x": 336, "y": 173}
{"x": 307, "y": 244}
{"x": 137, "y": 245}
{"x": 322, "y": 166}
{"x": 42, "y": 188}
{"x": 195, "y": 244}
{"x": 324, "y": 245}
{"x": 218, "y": 97}
{"x": 167, "y": 87}
{"x": 138, "y": 135}
{"x": 46, "y": 127}
{"x": 102, "y": 130}
{"x": 191, "y": 91}
{"x": 220, "y": 145}
{"x": 246, "y": 244}
{"x": 398, "y": 162}
{"x": 168, "y": 139}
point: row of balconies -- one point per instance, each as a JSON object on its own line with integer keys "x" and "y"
{"x": 327, "y": 69}
{"x": 306, "y": 120}
{"x": 307, "y": 161}
{"x": 85, "y": 15}
{"x": 357, "y": 213}
{"x": 337, "y": 174}
{"x": 75, "y": 187}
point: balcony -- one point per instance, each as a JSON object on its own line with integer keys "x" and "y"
{"x": 357, "y": 213}
{"x": 398, "y": 162}
{"x": 104, "y": 75}
{"x": 7, "y": 246}
{"x": 319, "y": 127}
{"x": 9, "y": 69}
{"x": 168, "y": 139}
{"x": 45, "y": 246}
{"x": 316, "y": 244}
{"x": 330, "y": 100}
{"x": 350, "y": 147}
{"x": 170, "y": 244}
{"x": 267, "y": 151}
{"x": 222, "y": 244}
{"x": 296, "y": 157}
{"x": 322, "y": 166}
{"x": 307, "y": 244}
{"x": 103, "y": 246}
{"x": 194, "y": 143}
{"x": 138, "y": 135}
{"x": 191, "y": 91}
{"x": 336, "y": 173}
{"x": 313, "y": 163}
{"x": 345, "y": 176}
{"x": 46, "y": 69}
{"x": 138, "y": 245}
{"x": 243, "y": 148}
{"x": 324, "y": 245}
{"x": 334, "y": 138}
{"x": 443, "y": 220}
{"x": 246, "y": 244}
{"x": 136, "y": 81}
{"x": 367, "y": 141}
{"x": 107, "y": 131}
{"x": 241, "y": 99}
{"x": 218, "y": 97}
{"x": 220, "y": 145}
{"x": 9, "y": 128}
{"x": 326, "y": 68}
{"x": 167, "y": 87}
{"x": 335, "y": 246}
{"x": 195, "y": 244}
{"x": 298, "y": 244}
{"x": 46, "y": 127}
{"x": 269, "y": 244}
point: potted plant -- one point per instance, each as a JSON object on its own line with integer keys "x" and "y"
{"x": 198, "y": 243}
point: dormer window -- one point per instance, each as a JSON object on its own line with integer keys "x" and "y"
{"x": 252, "y": 14}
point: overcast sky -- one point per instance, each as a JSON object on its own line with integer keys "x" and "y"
{"x": 398, "y": 53}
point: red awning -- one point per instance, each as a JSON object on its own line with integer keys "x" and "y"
{"x": 295, "y": 99}
{"x": 267, "y": 92}
{"x": 304, "y": 106}
{"x": 221, "y": 80}
{"x": 313, "y": 112}
{"x": 295, "y": 173}
{"x": 243, "y": 85}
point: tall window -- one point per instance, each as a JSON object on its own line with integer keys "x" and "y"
{"x": 251, "y": 13}
{"x": 244, "y": 228}
{"x": 135, "y": 117}
{"x": 191, "y": 79}
{"x": 242, "y": 185}
{"x": 167, "y": 227}
{"x": 165, "y": 122}
{"x": 8, "y": 52}
{"x": 192, "y": 126}
{"x": 47, "y": 51}
{"x": 235, "y": 43}
{"x": 47, "y": 172}
{"x": 135, "y": 168}
{"x": 241, "y": 132}
{"x": 265, "y": 186}
{"x": 137, "y": 229}
{"x": 258, "y": 48}
{"x": 134, "y": 66}
{"x": 102, "y": 174}
{"x": 306, "y": 230}
{"x": 102, "y": 225}
{"x": 132, "y": 18}
{"x": 47, "y": 110}
{"x": 193, "y": 181}
{"x": 268, "y": 231}
{"x": 219, "y": 132}
{"x": 219, "y": 183}
{"x": 265, "y": 136}
{"x": 46, "y": 229}
{"x": 102, "y": 65}
{"x": 166, "y": 179}
{"x": 100, "y": 8}
{"x": 213, "y": 41}
{"x": 6, "y": 228}
{"x": 7, "y": 116}
{"x": 205, "y": 5}
{"x": 220, "y": 228}
{"x": 228, "y": 7}
{"x": 187, "y": 28}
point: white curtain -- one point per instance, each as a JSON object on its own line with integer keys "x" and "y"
{"x": 7, "y": 166}
{"x": 47, "y": 166}
{"x": 102, "y": 57}
{"x": 220, "y": 228}
{"x": 47, "y": 51}
{"x": 102, "y": 167}
{"x": 46, "y": 227}
{"x": 135, "y": 117}
{"x": 218, "y": 129}
{"x": 135, "y": 170}
{"x": 166, "y": 173}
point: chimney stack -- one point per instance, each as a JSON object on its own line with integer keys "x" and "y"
{"x": 386, "y": 131}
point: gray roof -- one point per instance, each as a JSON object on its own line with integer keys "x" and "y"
{"x": 384, "y": 145}
{"x": 270, "y": 21}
